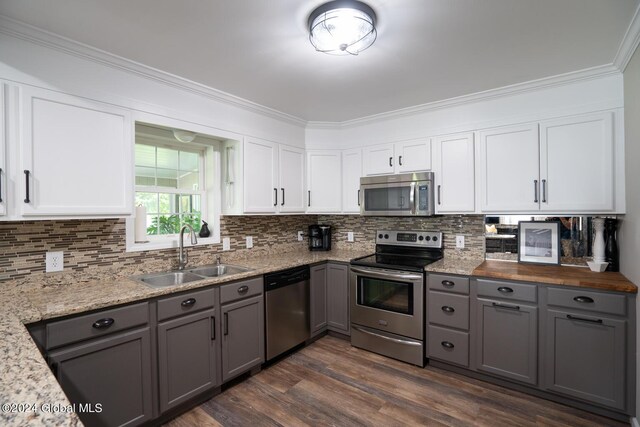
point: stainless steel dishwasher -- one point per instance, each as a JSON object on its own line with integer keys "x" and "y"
{"x": 287, "y": 309}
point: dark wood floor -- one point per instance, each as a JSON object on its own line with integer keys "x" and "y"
{"x": 332, "y": 383}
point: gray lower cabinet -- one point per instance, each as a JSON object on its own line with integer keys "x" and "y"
{"x": 188, "y": 358}
{"x": 242, "y": 336}
{"x": 585, "y": 357}
{"x": 318, "y": 295}
{"x": 114, "y": 371}
{"x": 338, "y": 298}
{"x": 507, "y": 340}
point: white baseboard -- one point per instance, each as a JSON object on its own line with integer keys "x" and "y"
{"x": 634, "y": 422}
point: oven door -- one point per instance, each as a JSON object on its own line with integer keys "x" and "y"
{"x": 388, "y": 300}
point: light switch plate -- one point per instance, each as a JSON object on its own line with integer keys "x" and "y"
{"x": 249, "y": 242}
{"x": 460, "y": 242}
{"x": 300, "y": 236}
{"x": 350, "y": 237}
{"x": 54, "y": 261}
{"x": 226, "y": 244}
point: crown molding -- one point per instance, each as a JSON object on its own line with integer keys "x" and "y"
{"x": 23, "y": 31}
{"x": 630, "y": 42}
{"x": 546, "y": 82}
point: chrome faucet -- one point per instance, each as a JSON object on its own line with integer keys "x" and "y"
{"x": 182, "y": 253}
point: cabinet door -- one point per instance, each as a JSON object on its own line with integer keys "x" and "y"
{"x": 260, "y": 176}
{"x": 243, "y": 336}
{"x": 188, "y": 359}
{"x": 3, "y": 149}
{"x": 378, "y": 160}
{"x": 509, "y": 169}
{"x": 291, "y": 171}
{"x": 455, "y": 173}
{"x": 585, "y": 357}
{"x": 338, "y": 298}
{"x": 76, "y": 156}
{"x": 114, "y": 372}
{"x": 507, "y": 343}
{"x": 318, "y": 299}
{"x": 414, "y": 155}
{"x": 324, "y": 181}
{"x": 576, "y": 164}
{"x": 351, "y": 173}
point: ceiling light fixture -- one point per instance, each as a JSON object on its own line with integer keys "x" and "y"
{"x": 184, "y": 135}
{"x": 342, "y": 27}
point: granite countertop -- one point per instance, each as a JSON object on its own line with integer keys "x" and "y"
{"x": 454, "y": 265}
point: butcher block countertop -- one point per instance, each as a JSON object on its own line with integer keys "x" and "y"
{"x": 555, "y": 275}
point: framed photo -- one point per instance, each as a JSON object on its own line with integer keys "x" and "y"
{"x": 539, "y": 242}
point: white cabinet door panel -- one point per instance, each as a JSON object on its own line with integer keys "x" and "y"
{"x": 414, "y": 155}
{"x": 78, "y": 154}
{"x": 3, "y": 152}
{"x": 324, "y": 180}
{"x": 378, "y": 160}
{"x": 509, "y": 169}
{"x": 455, "y": 173}
{"x": 260, "y": 176}
{"x": 291, "y": 171}
{"x": 351, "y": 173}
{"x": 576, "y": 164}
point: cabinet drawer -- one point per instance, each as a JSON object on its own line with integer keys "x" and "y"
{"x": 239, "y": 290}
{"x": 448, "y": 345}
{"x": 448, "y": 310}
{"x": 507, "y": 290}
{"x": 443, "y": 282}
{"x": 104, "y": 322}
{"x": 590, "y": 301}
{"x": 189, "y": 302}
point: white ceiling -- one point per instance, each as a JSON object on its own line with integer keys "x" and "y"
{"x": 427, "y": 50}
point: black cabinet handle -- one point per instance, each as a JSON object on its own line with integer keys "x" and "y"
{"x": 439, "y": 194}
{"x": 391, "y": 161}
{"x": 583, "y": 319}
{"x": 103, "y": 323}
{"x": 282, "y": 204}
{"x": 448, "y": 309}
{"x": 583, "y": 299}
{"x": 535, "y": 191}
{"x": 275, "y": 192}
{"x": 188, "y": 302}
{"x": 447, "y": 344}
{"x": 400, "y": 160}
{"x": 26, "y": 181}
{"x": 505, "y": 290}
{"x": 213, "y": 329}
{"x": 544, "y": 191}
{"x": 243, "y": 289}
{"x": 0, "y": 185}
{"x": 309, "y": 198}
{"x": 508, "y": 307}
{"x": 226, "y": 323}
{"x": 448, "y": 283}
{"x": 358, "y": 198}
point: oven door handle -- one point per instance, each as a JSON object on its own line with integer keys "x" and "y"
{"x": 386, "y": 274}
{"x": 396, "y": 340}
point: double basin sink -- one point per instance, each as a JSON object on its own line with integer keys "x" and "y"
{"x": 174, "y": 278}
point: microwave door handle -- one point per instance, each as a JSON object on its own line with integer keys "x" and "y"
{"x": 412, "y": 198}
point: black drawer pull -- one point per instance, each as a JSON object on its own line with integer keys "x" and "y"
{"x": 26, "y": 183}
{"x": 448, "y": 283}
{"x": 583, "y": 299}
{"x": 188, "y": 302}
{"x": 509, "y": 307}
{"x": 226, "y": 323}
{"x": 505, "y": 290}
{"x": 582, "y": 319}
{"x": 448, "y": 309}
{"x": 447, "y": 344}
{"x": 103, "y": 323}
{"x": 213, "y": 329}
{"x": 243, "y": 289}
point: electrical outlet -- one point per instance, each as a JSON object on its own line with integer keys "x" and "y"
{"x": 249, "y": 242}
{"x": 350, "y": 237}
{"x": 54, "y": 261}
{"x": 300, "y": 236}
{"x": 460, "y": 242}
{"x": 226, "y": 244}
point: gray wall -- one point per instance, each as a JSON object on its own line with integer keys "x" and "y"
{"x": 629, "y": 240}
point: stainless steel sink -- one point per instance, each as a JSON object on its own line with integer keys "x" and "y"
{"x": 171, "y": 278}
{"x": 218, "y": 270}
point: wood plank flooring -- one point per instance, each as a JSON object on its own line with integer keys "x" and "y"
{"x": 331, "y": 383}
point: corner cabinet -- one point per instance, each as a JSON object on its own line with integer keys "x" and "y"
{"x": 318, "y": 296}
{"x": 324, "y": 181}
{"x": 454, "y": 169}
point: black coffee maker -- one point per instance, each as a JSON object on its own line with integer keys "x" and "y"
{"x": 319, "y": 237}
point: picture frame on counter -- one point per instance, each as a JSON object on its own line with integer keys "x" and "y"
{"x": 539, "y": 242}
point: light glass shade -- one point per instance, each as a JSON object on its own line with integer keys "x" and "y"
{"x": 342, "y": 30}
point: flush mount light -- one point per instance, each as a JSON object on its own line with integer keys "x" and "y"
{"x": 342, "y": 27}
{"x": 184, "y": 135}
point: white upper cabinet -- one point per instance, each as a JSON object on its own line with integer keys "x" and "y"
{"x": 76, "y": 157}
{"x": 291, "y": 173}
{"x": 378, "y": 159}
{"x": 351, "y": 173}
{"x": 576, "y": 164}
{"x": 324, "y": 181}
{"x": 4, "y": 181}
{"x": 400, "y": 157}
{"x": 260, "y": 176}
{"x": 454, "y": 173}
{"x": 509, "y": 169}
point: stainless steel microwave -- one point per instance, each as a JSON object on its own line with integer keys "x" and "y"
{"x": 409, "y": 194}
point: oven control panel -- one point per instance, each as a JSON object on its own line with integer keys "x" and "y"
{"x": 423, "y": 239}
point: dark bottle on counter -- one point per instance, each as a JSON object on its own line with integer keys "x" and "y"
{"x": 611, "y": 246}
{"x": 204, "y": 230}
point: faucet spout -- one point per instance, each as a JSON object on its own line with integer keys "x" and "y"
{"x": 182, "y": 252}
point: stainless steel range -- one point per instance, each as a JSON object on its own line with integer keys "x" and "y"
{"x": 387, "y": 294}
